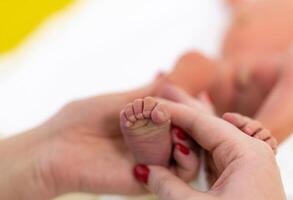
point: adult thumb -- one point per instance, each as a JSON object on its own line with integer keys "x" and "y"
{"x": 163, "y": 183}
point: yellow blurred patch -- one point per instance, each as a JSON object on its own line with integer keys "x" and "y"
{"x": 18, "y": 18}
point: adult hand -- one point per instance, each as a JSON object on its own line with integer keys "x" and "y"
{"x": 80, "y": 149}
{"x": 247, "y": 167}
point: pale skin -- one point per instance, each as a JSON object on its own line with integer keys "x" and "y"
{"x": 243, "y": 162}
{"x": 260, "y": 39}
{"x": 255, "y": 70}
{"x": 254, "y": 89}
{"x": 248, "y": 125}
{"x": 252, "y": 128}
{"x": 79, "y": 149}
{"x": 146, "y": 126}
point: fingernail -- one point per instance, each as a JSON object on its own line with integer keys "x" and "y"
{"x": 180, "y": 134}
{"x": 141, "y": 173}
{"x": 183, "y": 149}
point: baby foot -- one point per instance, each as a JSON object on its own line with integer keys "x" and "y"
{"x": 252, "y": 128}
{"x": 145, "y": 124}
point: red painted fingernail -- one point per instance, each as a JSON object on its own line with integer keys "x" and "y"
{"x": 183, "y": 149}
{"x": 141, "y": 173}
{"x": 180, "y": 134}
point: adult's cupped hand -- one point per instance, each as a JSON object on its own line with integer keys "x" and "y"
{"x": 246, "y": 166}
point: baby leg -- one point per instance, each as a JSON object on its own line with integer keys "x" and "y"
{"x": 194, "y": 73}
{"x": 252, "y": 127}
{"x": 145, "y": 124}
{"x": 259, "y": 28}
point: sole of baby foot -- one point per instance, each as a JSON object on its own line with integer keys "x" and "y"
{"x": 145, "y": 125}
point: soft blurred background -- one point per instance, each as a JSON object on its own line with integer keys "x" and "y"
{"x": 54, "y": 51}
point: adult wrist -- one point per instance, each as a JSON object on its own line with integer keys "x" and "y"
{"x": 21, "y": 177}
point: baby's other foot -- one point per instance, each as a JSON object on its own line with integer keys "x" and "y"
{"x": 252, "y": 127}
{"x": 145, "y": 124}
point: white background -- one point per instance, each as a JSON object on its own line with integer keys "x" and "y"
{"x": 99, "y": 46}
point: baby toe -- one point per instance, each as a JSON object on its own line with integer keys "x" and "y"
{"x": 262, "y": 134}
{"x": 252, "y": 127}
{"x": 149, "y": 104}
{"x": 273, "y": 143}
{"x": 124, "y": 121}
{"x": 129, "y": 112}
{"x": 236, "y": 119}
{"x": 138, "y": 108}
{"x": 160, "y": 114}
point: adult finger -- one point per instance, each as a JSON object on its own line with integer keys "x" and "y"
{"x": 201, "y": 127}
{"x": 187, "y": 162}
{"x": 208, "y": 131}
{"x": 174, "y": 93}
{"x": 179, "y": 136}
{"x": 163, "y": 183}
